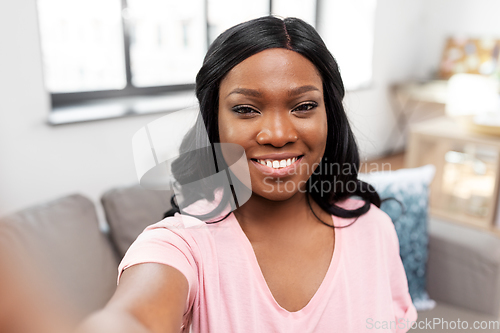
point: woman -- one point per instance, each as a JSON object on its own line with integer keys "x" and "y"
{"x": 300, "y": 255}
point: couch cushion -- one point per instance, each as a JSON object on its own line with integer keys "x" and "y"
{"x": 129, "y": 210}
{"x": 435, "y": 320}
{"x": 411, "y": 188}
{"x": 464, "y": 259}
{"x": 63, "y": 237}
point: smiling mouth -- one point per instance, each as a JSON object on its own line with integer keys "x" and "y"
{"x": 278, "y": 164}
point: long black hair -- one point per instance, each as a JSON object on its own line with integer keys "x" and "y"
{"x": 340, "y": 163}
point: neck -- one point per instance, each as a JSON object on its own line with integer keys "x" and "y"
{"x": 260, "y": 216}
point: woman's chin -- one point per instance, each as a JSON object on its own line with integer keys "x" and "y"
{"x": 276, "y": 193}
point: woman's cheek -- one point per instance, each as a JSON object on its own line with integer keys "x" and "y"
{"x": 225, "y": 130}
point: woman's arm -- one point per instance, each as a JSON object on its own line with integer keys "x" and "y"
{"x": 150, "y": 298}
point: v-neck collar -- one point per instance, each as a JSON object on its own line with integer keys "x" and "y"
{"x": 320, "y": 293}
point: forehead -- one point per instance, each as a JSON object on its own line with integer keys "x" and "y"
{"x": 273, "y": 69}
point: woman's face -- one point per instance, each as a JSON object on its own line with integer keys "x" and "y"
{"x": 272, "y": 105}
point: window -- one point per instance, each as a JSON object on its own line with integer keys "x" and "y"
{"x": 104, "y": 49}
{"x": 110, "y": 48}
{"x": 347, "y": 27}
{"x": 82, "y": 45}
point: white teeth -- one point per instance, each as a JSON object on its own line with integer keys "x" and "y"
{"x": 275, "y": 164}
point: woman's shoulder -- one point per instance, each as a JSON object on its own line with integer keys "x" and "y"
{"x": 373, "y": 234}
{"x": 177, "y": 222}
{"x": 189, "y": 220}
{"x": 174, "y": 237}
{"x": 179, "y": 227}
{"x": 353, "y": 203}
{"x": 374, "y": 219}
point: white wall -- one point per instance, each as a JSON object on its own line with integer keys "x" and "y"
{"x": 445, "y": 18}
{"x": 39, "y": 162}
{"x": 409, "y": 40}
{"x": 396, "y": 55}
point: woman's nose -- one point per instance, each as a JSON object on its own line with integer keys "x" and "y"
{"x": 277, "y": 130}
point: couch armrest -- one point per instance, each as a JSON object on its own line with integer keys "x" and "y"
{"x": 63, "y": 238}
{"x": 463, "y": 267}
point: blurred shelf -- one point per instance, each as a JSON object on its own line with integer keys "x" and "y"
{"x": 414, "y": 101}
{"x": 465, "y": 187}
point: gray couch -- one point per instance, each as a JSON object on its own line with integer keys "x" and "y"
{"x": 463, "y": 267}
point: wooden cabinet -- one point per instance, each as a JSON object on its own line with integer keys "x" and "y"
{"x": 465, "y": 187}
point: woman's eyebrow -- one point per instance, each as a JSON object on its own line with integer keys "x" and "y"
{"x": 256, "y": 93}
{"x": 246, "y": 91}
{"x": 301, "y": 90}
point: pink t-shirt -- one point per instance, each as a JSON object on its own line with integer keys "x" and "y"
{"x": 364, "y": 290}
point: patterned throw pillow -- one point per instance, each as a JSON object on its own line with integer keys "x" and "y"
{"x": 411, "y": 188}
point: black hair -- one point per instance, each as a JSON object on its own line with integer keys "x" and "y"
{"x": 246, "y": 39}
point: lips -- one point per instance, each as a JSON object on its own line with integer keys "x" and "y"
{"x": 278, "y": 166}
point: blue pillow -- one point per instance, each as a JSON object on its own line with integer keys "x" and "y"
{"x": 411, "y": 188}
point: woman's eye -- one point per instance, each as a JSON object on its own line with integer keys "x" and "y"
{"x": 245, "y": 110}
{"x": 306, "y": 107}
